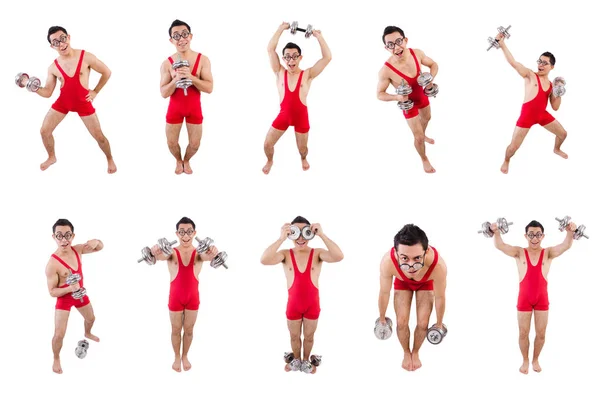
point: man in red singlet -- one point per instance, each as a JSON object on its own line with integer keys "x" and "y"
{"x": 414, "y": 267}
{"x": 533, "y": 264}
{"x": 184, "y": 265}
{"x": 538, "y": 89}
{"x": 293, "y": 85}
{"x": 65, "y": 261}
{"x": 302, "y": 267}
{"x": 182, "y": 106}
{"x": 404, "y": 64}
{"x": 72, "y": 68}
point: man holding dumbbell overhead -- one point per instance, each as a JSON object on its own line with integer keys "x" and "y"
{"x": 302, "y": 266}
{"x": 415, "y": 269}
{"x": 533, "y": 264}
{"x": 183, "y": 87}
{"x": 65, "y": 282}
{"x": 72, "y": 68}
{"x": 184, "y": 265}
{"x": 414, "y": 87}
{"x": 538, "y": 89}
{"x": 293, "y": 85}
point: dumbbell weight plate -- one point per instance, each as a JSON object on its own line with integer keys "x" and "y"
{"x": 403, "y": 89}
{"x": 315, "y": 360}
{"x": 579, "y": 233}
{"x": 165, "y": 246}
{"x": 309, "y": 31}
{"x": 503, "y": 225}
{"x": 436, "y": 335}
{"x": 204, "y": 244}
{"x": 424, "y": 79}
{"x": 383, "y": 332}
{"x": 181, "y": 63}
{"x": 73, "y": 278}
{"x": 295, "y": 233}
{"x": 79, "y": 294}
{"x": 308, "y": 233}
{"x": 433, "y": 91}
{"x": 288, "y": 357}
{"x": 33, "y": 84}
{"x": 406, "y": 105}
{"x": 293, "y": 27}
{"x": 83, "y": 344}
{"x": 219, "y": 260}
{"x": 504, "y": 31}
{"x": 147, "y": 256}
{"x": 493, "y": 43}
{"x": 21, "y": 79}
{"x": 563, "y": 223}
{"x": 486, "y": 229}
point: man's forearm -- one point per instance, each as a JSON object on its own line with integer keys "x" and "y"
{"x": 384, "y": 300}
{"x": 440, "y": 308}
{"x": 59, "y": 292}
{"x": 271, "y": 251}
{"x": 103, "y": 79}
{"x": 333, "y": 248}
{"x": 275, "y": 39}
{"x": 325, "y": 50}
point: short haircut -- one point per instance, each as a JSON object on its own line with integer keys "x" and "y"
{"x": 411, "y": 235}
{"x": 185, "y": 220}
{"x": 534, "y": 224}
{"x": 53, "y": 30}
{"x": 178, "y": 22}
{"x": 62, "y": 222}
{"x": 391, "y": 29}
{"x": 550, "y": 56}
{"x": 291, "y": 45}
{"x": 300, "y": 220}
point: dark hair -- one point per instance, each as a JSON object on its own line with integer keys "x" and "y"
{"x": 534, "y": 224}
{"x": 550, "y": 56}
{"x": 185, "y": 220}
{"x": 63, "y": 222}
{"x": 300, "y": 220}
{"x": 391, "y": 29}
{"x": 53, "y": 30}
{"x": 291, "y": 45}
{"x": 410, "y": 235}
{"x": 178, "y": 22}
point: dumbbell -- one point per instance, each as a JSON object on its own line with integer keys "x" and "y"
{"x": 309, "y": 366}
{"x": 31, "y": 83}
{"x": 493, "y": 42}
{"x": 383, "y": 331}
{"x": 82, "y": 348}
{"x": 404, "y": 89}
{"x": 306, "y": 233}
{"x": 165, "y": 246}
{"x": 435, "y": 335}
{"x": 558, "y": 86}
{"x": 424, "y": 79}
{"x": 184, "y": 83}
{"x": 219, "y": 260}
{"x": 307, "y": 32}
{"x": 579, "y": 232}
{"x": 80, "y": 293}
{"x": 486, "y": 227}
{"x": 294, "y": 363}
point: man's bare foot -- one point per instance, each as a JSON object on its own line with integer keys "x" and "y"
{"x": 267, "y": 168}
{"x": 416, "y": 362}
{"x": 429, "y": 140}
{"x": 44, "y": 166}
{"x": 186, "y": 167}
{"x": 504, "y": 167}
{"x": 177, "y": 364}
{"x": 186, "y": 363}
{"x": 305, "y": 164}
{"x": 525, "y": 367}
{"x": 287, "y": 368}
{"x": 561, "y": 153}
{"x": 56, "y": 367}
{"x": 92, "y": 337}
{"x": 536, "y": 366}
{"x": 407, "y": 362}
{"x": 428, "y": 167}
{"x": 112, "y": 167}
{"x": 179, "y": 168}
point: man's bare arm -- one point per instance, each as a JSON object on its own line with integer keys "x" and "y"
{"x": 386, "y": 279}
{"x": 205, "y": 83}
{"x": 558, "y": 250}
{"x": 50, "y": 85}
{"x": 511, "y": 251}
{"x": 520, "y": 68}
{"x": 91, "y": 246}
{"x": 333, "y": 253}
{"x": 428, "y": 62}
{"x": 271, "y": 256}
{"x": 555, "y": 102}
{"x": 272, "y": 48}
{"x": 52, "y": 281}
{"x": 320, "y": 65}
{"x": 382, "y": 85}
{"x": 439, "y": 291}
{"x": 99, "y": 67}
{"x": 167, "y": 83}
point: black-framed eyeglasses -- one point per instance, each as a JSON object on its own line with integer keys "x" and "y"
{"x": 397, "y": 42}
{"x": 289, "y": 57}
{"x": 57, "y": 42}
{"x": 189, "y": 232}
{"x": 532, "y": 235}
{"x": 544, "y": 63}
{"x": 415, "y": 266}
{"x": 177, "y": 35}
{"x": 60, "y": 236}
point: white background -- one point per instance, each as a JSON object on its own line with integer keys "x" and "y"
{"x": 365, "y": 183}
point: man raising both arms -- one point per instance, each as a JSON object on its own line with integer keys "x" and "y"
{"x": 293, "y": 85}
{"x": 72, "y": 68}
{"x": 182, "y": 106}
{"x": 404, "y": 65}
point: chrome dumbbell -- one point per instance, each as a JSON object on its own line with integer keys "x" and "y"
{"x": 184, "y": 83}
{"x": 308, "y": 366}
{"x": 435, "y": 335}
{"x": 219, "y": 260}
{"x": 558, "y": 86}
{"x": 80, "y": 293}
{"x": 486, "y": 227}
{"x": 424, "y": 79}
{"x": 32, "y": 84}
{"x": 383, "y": 331}
{"x": 82, "y": 348}
{"x": 577, "y": 234}
{"x": 493, "y": 42}
{"x": 404, "y": 89}
{"x": 307, "y": 32}
{"x": 306, "y": 233}
{"x": 165, "y": 246}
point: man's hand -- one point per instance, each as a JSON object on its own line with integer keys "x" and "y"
{"x": 286, "y": 230}
{"x": 316, "y": 228}
{"x": 91, "y": 96}
{"x": 212, "y": 252}
{"x": 183, "y": 73}
{"x": 500, "y": 39}
{"x": 494, "y": 227}
{"x": 156, "y": 251}
{"x": 74, "y": 287}
{"x": 284, "y": 26}
{"x": 91, "y": 245}
{"x": 572, "y": 227}
{"x": 317, "y": 33}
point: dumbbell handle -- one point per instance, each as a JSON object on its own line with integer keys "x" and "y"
{"x": 170, "y": 243}
{"x": 508, "y": 224}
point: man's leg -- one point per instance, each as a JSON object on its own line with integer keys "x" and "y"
{"x": 194, "y": 137}
{"x": 173, "y": 131}
{"x": 189, "y": 320}
{"x": 561, "y": 134}
{"x": 402, "y": 302}
{"x": 524, "y": 326}
{"x": 295, "y": 328}
{"x": 541, "y": 322}
{"x": 176, "y": 326}
{"x": 302, "y": 143}
{"x": 272, "y": 137}
{"x": 51, "y": 121}
{"x": 309, "y": 326}
{"x": 424, "y": 308}
{"x": 61, "y": 317}
{"x": 87, "y": 312}
{"x": 516, "y": 142}
{"x": 416, "y": 127}
{"x": 92, "y": 124}
{"x": 425, "y": 116}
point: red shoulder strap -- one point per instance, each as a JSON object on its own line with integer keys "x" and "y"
{"x": 416, "y": 62}
{"x": 78, "y": 70}
{"x": 433, "y": 264}
{"x": 171, "y": 60}
{"x": 196, "y": 64}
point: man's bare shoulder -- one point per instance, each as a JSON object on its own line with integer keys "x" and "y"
{"x": 51, "y": 265}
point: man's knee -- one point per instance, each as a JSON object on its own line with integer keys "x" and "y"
{"x": 523, "y": 333}
{"x": 420, "y": 139}
{"x": 90, "y": 319}
{"x": 422, "y": 325}
{"x": 540, "y": 336}
{"x": 295, "y": 336}
{"x": 188, "y": 331}
{"x": 194, "y": 144}
{"x": 562, "y": 135}
{"x": 401, "y": 322}
{"x": 303, "y": 149}
{"x": 310, "y": 337}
